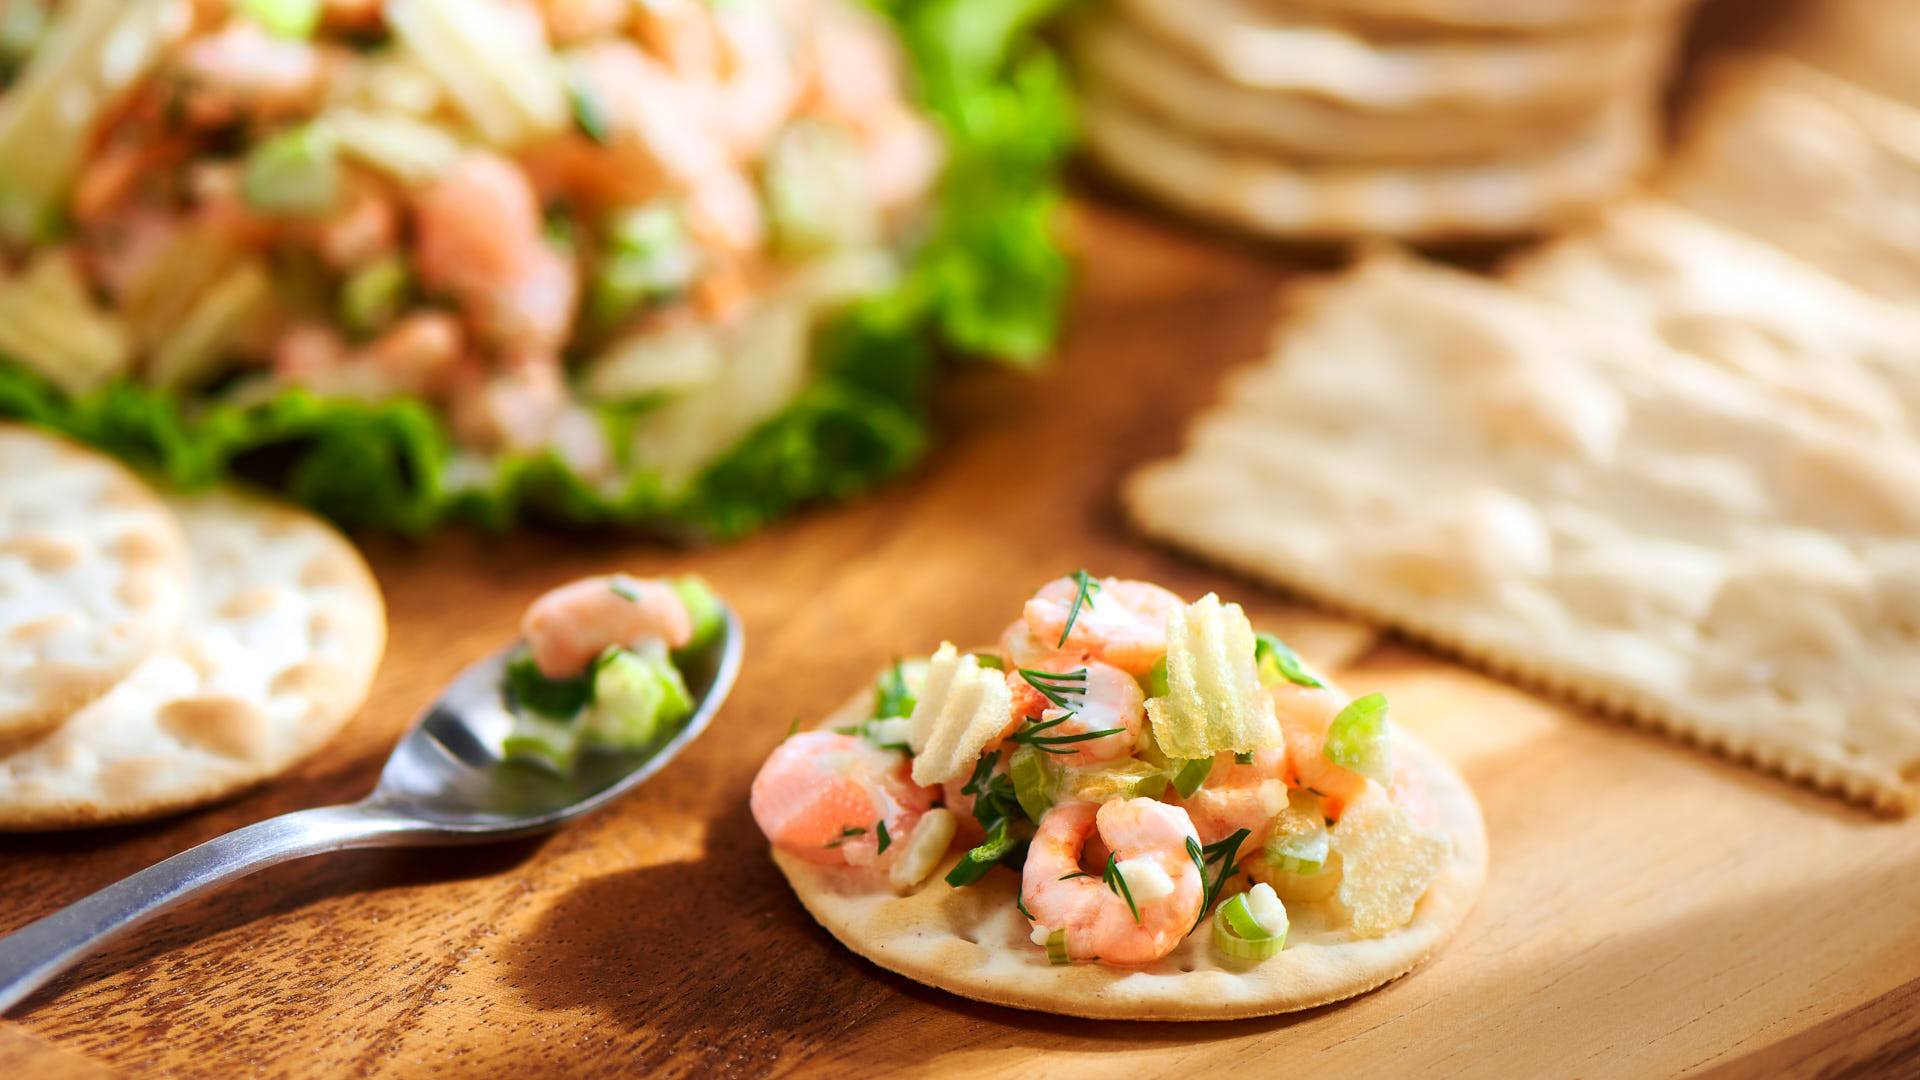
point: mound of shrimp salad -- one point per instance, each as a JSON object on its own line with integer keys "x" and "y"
{"x": 1145, "y": 767}
{"x": 603, "y": 667}
{"x": 586, "y": 247}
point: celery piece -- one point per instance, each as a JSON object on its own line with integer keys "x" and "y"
{"x": 294, "y": 174}
{"x": 648, "y": 258}
{"x": 1358, "y": 740}
{"x": 1035, "y": 781}
{"x": 703, "y": 610}
{"x": 1191, "y": 775}
{"x": 815, "y": 189}
{"x": 1155, "y": 684}
{"x": 296, "y": 19}
{"x": 1297, "y": 841}
{"x": 536, "y": 740}
{"x": 637, "y": 696}
{"x": 372, "y": 296}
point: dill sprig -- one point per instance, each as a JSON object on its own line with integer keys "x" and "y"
{"x": 1118, "y": 883}
{"x": 1051, "y": 744}
{"x": 1082, "y": 598}
{"x": 847, "y": 834}
{"x": 880, "y": 830}
{"x": 1223, "y": 852}
{"x": 1058, "y": 687}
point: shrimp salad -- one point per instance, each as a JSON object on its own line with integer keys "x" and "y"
{"x": 1138, "y": 767}
{"x": 606, "y": 236}
{"x": 602, "y": 667}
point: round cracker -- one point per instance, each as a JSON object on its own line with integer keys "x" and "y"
{"x": 277, "y": 650}
{"x": 1270, "y": 50}
{"x": 1510, "y": 15}
{"x": 1125, "y": 62}
{"x": 1274, "y": 197}
{"x": 975, "y": 943}
{"x": 93, "y": 577}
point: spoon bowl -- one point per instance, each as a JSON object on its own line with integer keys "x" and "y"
{"x": 445, "y": 783}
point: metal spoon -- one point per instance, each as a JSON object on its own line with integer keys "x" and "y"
{"x": 444, "y": 784}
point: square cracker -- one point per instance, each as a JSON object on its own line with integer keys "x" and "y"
{"x": 1820, "y": 167}
{"x": 1575, "y": 504}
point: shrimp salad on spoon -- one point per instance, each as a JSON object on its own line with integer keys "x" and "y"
{"x": 1132, "y": 807}
{"x": 425, "y": 256}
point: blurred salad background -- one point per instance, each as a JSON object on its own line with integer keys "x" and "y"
{"x": 676, "y": 265}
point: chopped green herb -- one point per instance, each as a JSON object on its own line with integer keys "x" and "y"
{"x": 1223, "y": 852}
{"x": 892, "y": 697}
{"x": 1057, "y": 686}
{"x": 793, "y": 728}
{"x": 1050, "y": 744}
{"x": 847, "y": 834}
{"x": 1118, "y": 883}
{"x": 975, "y": 863}
{"x": 1075, "y": 874}
{"x": 886, "y": 840}
{"x": 1082, "y": 598}
{"x": 1243, "y": 759}
{"x": 1021, "y": 903}
{"x": 561, "y": 699}
{"x": 620, "y": 590}
{"x": 590, "y": 113}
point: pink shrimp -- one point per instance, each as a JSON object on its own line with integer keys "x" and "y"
{"x": 570, "y": 626}
{"x": 572, "y": 21}
{"x": 858, "y": 79}
{"x": 1123, "y": 623}
{"x": 659, "y": 138}
{"x": 1237, "y": 796}
{"x": 822, "y": 797}
{"x": 1304, "y": 713}
{"x": 481, "y": 239}
{"x": 1104, "y": 698}
{"x": 244, "y": 71}
{"x": 1148, "y": 841}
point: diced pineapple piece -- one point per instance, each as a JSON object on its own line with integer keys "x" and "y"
{"x": 505, "y": 81}
{"x": 194, "y": 351}
{"x": 1214, "y": 703}
{"x": 96, "y": 49}
{"x": 411, "y": 150}
{"x": 50, "y": 324}
{"x": 962, "y": 708}
{"x": 1386, "y": 862}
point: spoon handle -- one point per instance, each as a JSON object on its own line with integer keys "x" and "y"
{"x": 35, "y": 953}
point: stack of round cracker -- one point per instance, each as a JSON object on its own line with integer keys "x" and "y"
{"x": 1408, "y": 119}
{"x": 159, "y": 652}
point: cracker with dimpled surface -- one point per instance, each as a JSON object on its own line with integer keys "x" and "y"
{"x": 277, "y": 650}
{"x": 974, "y": 942}
{"x": 1577, "y": 506}
{"x": 93, "y": 577}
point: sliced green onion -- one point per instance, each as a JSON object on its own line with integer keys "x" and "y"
{"x": 1191, "y": 775}
{"x": 975, "y": 863}
{"x": 1156, "y": 682}
{"x": 989, "y": 660}
{"x": 1276, "y": 660}
{"x": 293, "y": 174}
{"x": 540, "y": 742}
{"x": 1298, "y": 841}
{"x": 372, "y": 296}
{"x": 1057, "y": 947}
{"x": 703, "y": 610}
{"x": 1357, "y": 739}
{"x": 1238, "y": 934}
{"x": 296, "y": 19}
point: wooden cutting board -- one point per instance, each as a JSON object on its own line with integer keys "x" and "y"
{"x": 1650, "y": 909}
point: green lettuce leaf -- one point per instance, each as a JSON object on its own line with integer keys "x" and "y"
{"x": 987, "y": 279}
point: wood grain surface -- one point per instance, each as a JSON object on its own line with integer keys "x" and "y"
{"x": 1650, "y": 909}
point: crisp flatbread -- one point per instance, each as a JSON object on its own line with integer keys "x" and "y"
{"x": 276, "y": 652}
{"x": 93, "y": 577}
{"x": 1524, "y": 15}
{"x": 1274, "y": 197}
{"x": 1126, "y": 62}
{"x": 1269, "y": 49}
{"x": 1820, "y": 167}
{"x": 1724, "y": 296}
{"x": 974, "y": 942}
{"x": 1573, "y": 504}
